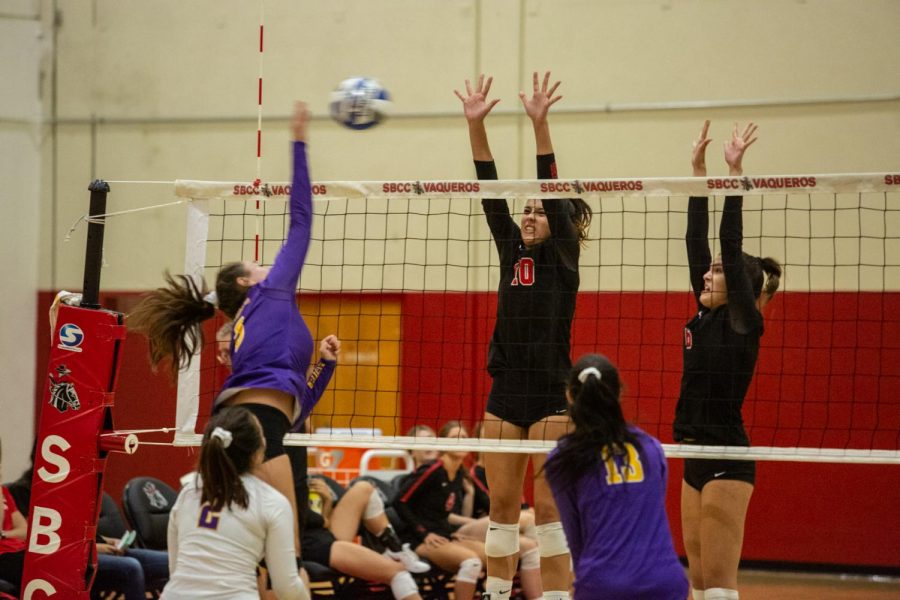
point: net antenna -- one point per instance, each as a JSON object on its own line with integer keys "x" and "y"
{"x": 406, "y": 273}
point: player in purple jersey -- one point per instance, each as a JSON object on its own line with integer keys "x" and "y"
{"x": 721, "y": 346}
{"x": 528, "y": 359}
{"x": 609, "y": 481}
{"x": 271, "y": 345}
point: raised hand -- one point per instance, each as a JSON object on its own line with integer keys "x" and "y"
{"x": 476, "y": 106}
{"x": 698, "y": 152}
{"x": 299, "y": 121}
{"x": 542, "y": 98}
{"x": 735, "y": 148}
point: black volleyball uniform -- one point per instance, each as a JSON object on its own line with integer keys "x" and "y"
{"x": 316, "y": 539}
{"x": 424, "y": 502}
{"x": 481, "y": 507}
{"x": 720, "y": 349}
{"x": 528, "y": 358}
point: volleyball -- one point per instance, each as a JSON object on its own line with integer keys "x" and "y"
{"x": 360, "y": 103}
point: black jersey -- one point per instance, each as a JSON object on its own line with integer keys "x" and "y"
{"x": 536, "y": 296}
{"x": 425, "y": 500}
{"x": 720, "y": 346}
{"x": 482, "y": 505}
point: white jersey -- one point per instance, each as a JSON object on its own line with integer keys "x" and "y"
{"x": 214, "y": 555}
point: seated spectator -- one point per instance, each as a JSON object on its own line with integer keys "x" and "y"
{"x": 422, "y": 456}
{"x": 470, "y": 516}
{"x": 131, "y": 571}
{"x": 12, "y": 539}
{"x": 331, "y": 526}
{"x": 13, "y": 528}
{"x": 424, "y": 501}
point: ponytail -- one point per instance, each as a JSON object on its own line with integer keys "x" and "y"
{"x": 601, "y": 430}
{"x": 230, "y": 442}
{"x": 772, "y": 269}
{"x": 764, "y": 274}
{"x": 170, "y": 317}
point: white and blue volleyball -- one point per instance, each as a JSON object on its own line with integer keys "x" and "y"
{"x": 360, "y": 103}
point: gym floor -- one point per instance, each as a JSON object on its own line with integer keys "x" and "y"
{"x": 775, "y": 585}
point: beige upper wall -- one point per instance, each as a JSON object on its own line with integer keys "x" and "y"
{"x": 172, "y": 85}
{"x": 22, "y": 47}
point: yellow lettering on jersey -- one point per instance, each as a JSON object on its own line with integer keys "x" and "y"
{"x": 631, "y": 471}
{"x": 238, "y": 333}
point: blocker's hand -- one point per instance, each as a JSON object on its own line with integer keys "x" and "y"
{"x": 476, "y": 106}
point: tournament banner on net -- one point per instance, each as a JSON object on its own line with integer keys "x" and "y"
{"x": 68, "y": 466}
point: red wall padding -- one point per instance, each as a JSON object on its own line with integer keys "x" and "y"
{"x": 828, "y": 376}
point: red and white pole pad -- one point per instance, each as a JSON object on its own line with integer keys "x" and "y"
{"x": 68, "y": 467}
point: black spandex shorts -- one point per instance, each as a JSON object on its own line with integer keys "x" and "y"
{"x": 316, "y": 544}
{"x": 275, "y": 425}
{"x": 700, "y": 471}
{"x": 515, "y": 401}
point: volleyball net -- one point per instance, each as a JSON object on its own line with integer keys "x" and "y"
{"x": 406, "y": 274}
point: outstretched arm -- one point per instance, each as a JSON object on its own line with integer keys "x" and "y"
{"x": 285, "y": 272}
{"x": 697, "y": 236}
{"x": 476, "y": 107}
{"x": 741, "y": 299}
{"x": 537, "y": 107}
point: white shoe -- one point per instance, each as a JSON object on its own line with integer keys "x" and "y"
{"x": 409, "y": 559}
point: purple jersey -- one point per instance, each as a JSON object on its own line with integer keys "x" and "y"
{"x": 271, "y": 345}
{"x": 615, "y": 522}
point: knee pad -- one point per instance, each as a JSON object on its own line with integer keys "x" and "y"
{"x": 469, "y": 570}
{"x": 551, "y": 539}
{"x": 697, "y": 595}
{"x": 403, "y": 585}
{"x": 502, "y": 539}
{"x": 530, "y": 560}
{"x": 375, "y": 505}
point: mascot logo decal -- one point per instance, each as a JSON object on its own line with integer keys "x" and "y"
{"x": 62, "y": 393}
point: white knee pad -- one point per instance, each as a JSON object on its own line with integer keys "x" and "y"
{"x": 551, "y": 539}
{"x": 697, "y": 595}
{"x": 375, "y": 506}
{"x": 530, "y": 560}
{"x": 403, "y": 585}
{"x": 720, "y": 594}
{"x": 502, "y": 539}
{"x": 469, "y": 570}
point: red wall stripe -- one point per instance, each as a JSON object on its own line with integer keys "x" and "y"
{"x": 828, "y": 375}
